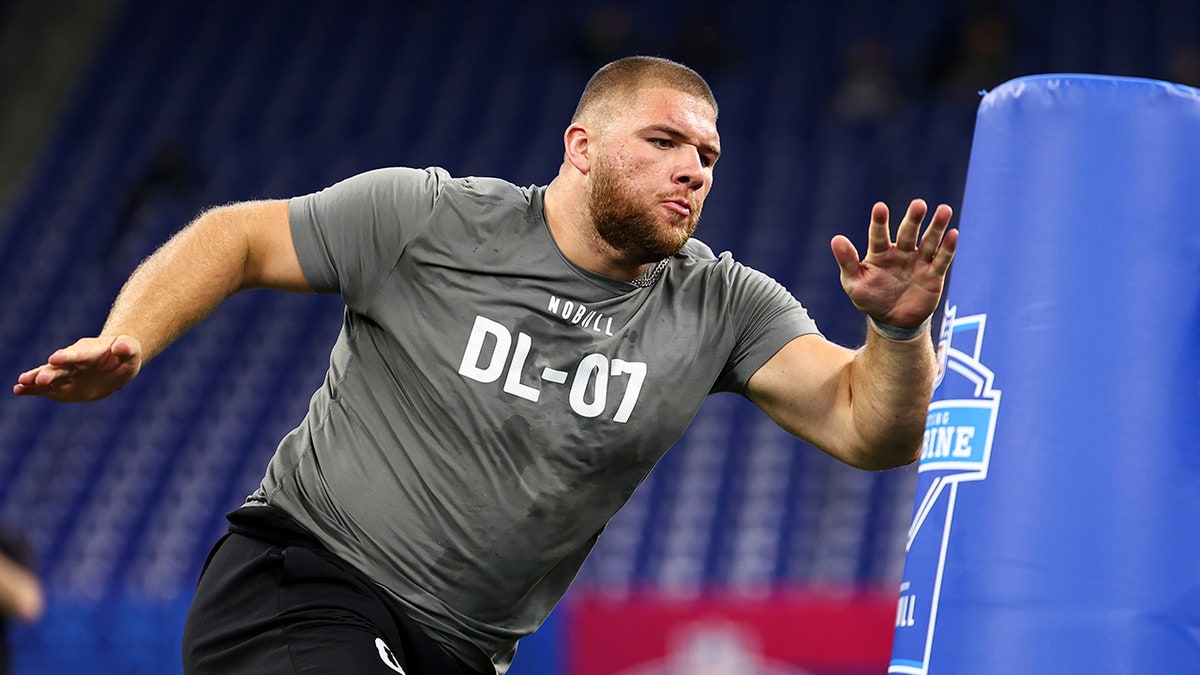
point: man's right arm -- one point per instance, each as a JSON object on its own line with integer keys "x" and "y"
{"x": 226, "y": 250}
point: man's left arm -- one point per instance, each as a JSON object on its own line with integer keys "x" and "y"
{"x": 867, "y": 407}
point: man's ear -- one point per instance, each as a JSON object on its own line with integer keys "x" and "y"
{"x": 577, "y": 140}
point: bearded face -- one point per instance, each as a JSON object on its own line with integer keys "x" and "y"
{"x": 633, "y": 224}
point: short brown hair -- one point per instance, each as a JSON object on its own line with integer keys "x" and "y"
{"x": 623, "y": 78}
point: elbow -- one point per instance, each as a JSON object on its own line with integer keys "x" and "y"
{"x": 886, "y": 461}
{"x": 888, "y": 440}
{"x": 886, "y": 453}
{"x": 225, "y": 238}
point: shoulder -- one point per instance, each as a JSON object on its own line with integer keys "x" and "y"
{"x": 486, "y": 192}
{"x": 431, "y": 179}
{"x": 697, "y": 259}
{"x": 423, "y": 195}
{"x": 434, "y": 183}
{"x": 495, "y": 190}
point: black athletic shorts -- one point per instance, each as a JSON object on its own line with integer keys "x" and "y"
{"x": 273, "y": 600}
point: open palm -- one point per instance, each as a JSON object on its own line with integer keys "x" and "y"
{"x": 900, "y": 282}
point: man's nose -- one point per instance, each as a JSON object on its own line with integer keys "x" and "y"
{"x": 690, "y": 170}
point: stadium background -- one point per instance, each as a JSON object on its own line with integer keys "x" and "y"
{"x": 120, "y": 120}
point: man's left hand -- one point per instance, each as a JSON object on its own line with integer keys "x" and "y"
{"x": 899, "y": 283}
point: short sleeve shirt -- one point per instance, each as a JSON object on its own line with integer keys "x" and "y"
{"x": 490, "y": 405}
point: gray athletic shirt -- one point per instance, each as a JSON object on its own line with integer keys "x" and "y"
{"x": 490, "y": 405}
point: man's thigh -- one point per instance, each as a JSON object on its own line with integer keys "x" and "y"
{"x": 267, "y": 609}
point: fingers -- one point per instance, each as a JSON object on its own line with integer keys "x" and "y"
{"x": 846, "y": 255}
{"x": 906, "y": 234}
{"x": 931, "y": 241}
{"x": 44, "y": 376}
{"x": 945, "y": 253}
{"x": 107, "y": 358}
{"x": 879, "y": 236}
{"x": 84, "y": 351}
{"x": 39, "y": 381}
{"x": 124, "y": 348}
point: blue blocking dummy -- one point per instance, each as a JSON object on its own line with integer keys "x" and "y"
{"x": 1056, "y": 526}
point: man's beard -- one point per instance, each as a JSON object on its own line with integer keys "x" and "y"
{"x": 635, "y": 231}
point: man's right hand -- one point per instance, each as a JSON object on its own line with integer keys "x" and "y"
{"x": 88, "y": 370}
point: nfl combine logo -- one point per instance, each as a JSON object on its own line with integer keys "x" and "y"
{"x": 956, "y": 449}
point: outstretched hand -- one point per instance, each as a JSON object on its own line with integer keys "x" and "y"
{"x": 899, "y": 283}
{"x": 88, "y": 370}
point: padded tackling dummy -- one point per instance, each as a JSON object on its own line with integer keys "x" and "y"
{"x": 1056, "y": 523}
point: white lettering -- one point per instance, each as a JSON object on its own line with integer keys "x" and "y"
{"x": 945, "y": 437}
{"x": 962, "y": 442}
{"x": 469, "y": 367}
{"x": 637, "y": 374}
{"x": 580, "y": 315}
{"x": 906, "y": 611}
{"x": 592, "y": 368}
{"x": 490, "y": 345}
{"x": 947, "y": 442}
{"x": 554, "y": 375}
{"x": 512, "y": 383}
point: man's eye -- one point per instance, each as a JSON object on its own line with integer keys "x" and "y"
{"x": 662, "y": 142}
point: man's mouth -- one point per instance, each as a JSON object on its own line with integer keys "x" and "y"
{"x": 680, "y": 206}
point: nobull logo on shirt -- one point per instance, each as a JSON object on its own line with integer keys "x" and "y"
{"x": 957, "y": 449}
{"x": 579, "y": 314}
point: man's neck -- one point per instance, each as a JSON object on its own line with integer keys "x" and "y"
{"x": 573, "y": 231}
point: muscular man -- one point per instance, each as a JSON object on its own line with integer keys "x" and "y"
{"x": 512, "y": 363}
